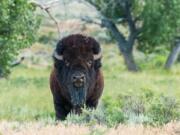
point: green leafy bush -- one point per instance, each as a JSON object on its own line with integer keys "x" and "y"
{"x": 90, "y": 116}
{"x": 153, "y": 61}
{"x": 18, "y": 25}
{"x": 141, "y": 108}
{"x": 163, "y": 109}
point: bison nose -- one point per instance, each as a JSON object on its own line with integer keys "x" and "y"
{"x": 78, "y": 79}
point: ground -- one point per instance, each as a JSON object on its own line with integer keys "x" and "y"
{"x": 27, "y": 107}
{"x": 15, "y": 128}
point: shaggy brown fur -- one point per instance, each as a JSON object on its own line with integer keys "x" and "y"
{"x": 78, "y": 53}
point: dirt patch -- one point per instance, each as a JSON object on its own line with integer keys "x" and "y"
{"x": 16, "y": 128}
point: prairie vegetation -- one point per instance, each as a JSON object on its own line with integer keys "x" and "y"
{"x": 146, "y": 102}
{"x": 150, "y": 97}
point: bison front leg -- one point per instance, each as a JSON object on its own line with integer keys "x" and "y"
{"x": 92, "y": 104}
{"x": 93, "y": 100}
{"x": 61, "y": 109}
{"x": 61, "y": 113}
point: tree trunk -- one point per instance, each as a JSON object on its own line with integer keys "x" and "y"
{"x": 178, "y": 58}
{"x": 173, "y": 55}
{"x": 0, "y": 73}
{"x": 125, "y": 46}
{"x": 129, "y": 61}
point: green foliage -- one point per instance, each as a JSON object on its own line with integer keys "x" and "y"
{"x": 113, "y": 112}
{"x": 163, "y": 109}
{"x": 114, "y": 9}
{"x": 18, "y": 26}
{"x": 157, "y": 21}
{"x": 152, "y": 61}
{"x": 160, "y": 24}
{"x": 89, "y": 116}
{"x": 109, "y": 115}
{"x": 142, "y": 108}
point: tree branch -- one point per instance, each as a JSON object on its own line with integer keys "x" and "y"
{"x": 90, "y": 20}
{"x": 46, "y": 8}
{"x": 111, "y": 26}
{"x": 131, "y": 23}
{"x": 173, "y": 56}
{"x": 17, "y": 62}
{"x": 116, "y": 33}
{"x": 107, "y": 23}
{"x": 46, "y": 5}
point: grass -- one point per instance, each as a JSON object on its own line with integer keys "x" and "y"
{"x": 15, "y": 128}
{"x": 25, "y": 95}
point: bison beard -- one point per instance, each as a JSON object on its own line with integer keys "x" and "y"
{"x": 76, "y": 79}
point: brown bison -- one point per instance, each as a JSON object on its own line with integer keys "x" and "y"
{"x": 76, "y": 79}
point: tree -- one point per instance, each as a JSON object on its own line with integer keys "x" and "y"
{"x": 18, "y": 26}
{"x": 173, "y": 56}
{"x": 151, "y": 23}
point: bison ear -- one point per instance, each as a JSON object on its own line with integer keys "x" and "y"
{"x": 97, "y": 55}
{"x": 96, "y": 47}
{"x": 97, "y": 64}
{"x": 57, "y": 55}
{"x": 58, "y": 52}
{"x": 60, "y": 47}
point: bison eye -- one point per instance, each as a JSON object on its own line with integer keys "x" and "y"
{"x": 66, "y": 63}
{"x": 89, "y": 62}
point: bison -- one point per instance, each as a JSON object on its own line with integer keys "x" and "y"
{"x": 76, "y": 79}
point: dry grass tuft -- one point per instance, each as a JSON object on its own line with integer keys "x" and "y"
{"x": 15, "y": 128}
{"x": 169, "y": 129}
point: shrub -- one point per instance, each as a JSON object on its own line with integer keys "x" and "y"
{"x": 89, "y": 116}
{"x": 163, "y": 109}
{"x": 145, "y": 107}
{"x": 18, "y": 25}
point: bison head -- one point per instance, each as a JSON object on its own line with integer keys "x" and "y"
{"x": 77, "y": 59}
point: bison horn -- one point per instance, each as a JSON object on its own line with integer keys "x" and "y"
{"x": 97, "y": 56}
{"x": 60, "y": 57}
{"x": 57, "y": 56}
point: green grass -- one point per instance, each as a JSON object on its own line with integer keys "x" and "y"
{"x": 118, "y": 80}
{"x": 25, "y": 95}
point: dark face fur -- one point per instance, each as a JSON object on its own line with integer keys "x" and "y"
{"x": 76, "y": 64}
